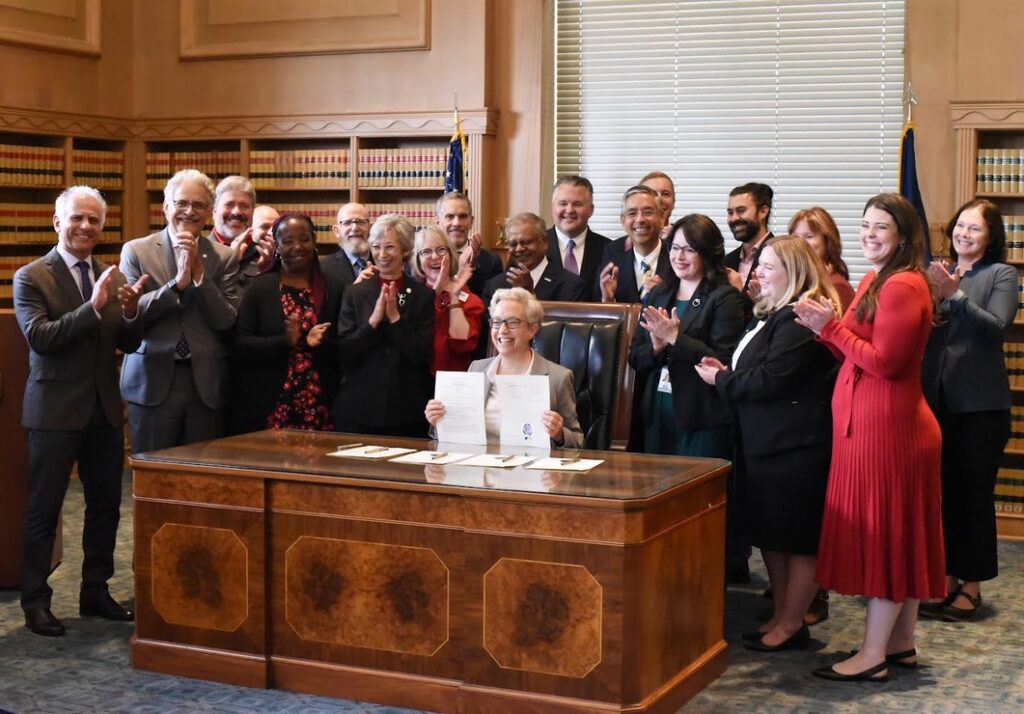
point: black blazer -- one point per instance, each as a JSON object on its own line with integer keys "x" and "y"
{"x": 260, "y": 353}
{"x": 626, "y": 291}
{"x": 593, "y": 251}
{"x": 338, "y": 270}
{"x": 712, "y": 325}
{"x": 556, "y": 283}
{"x": 385, "y": 378}
{"x": 488, "y": 265}
{"x": 732, "y": 260}
{"x": 781, "y": 389}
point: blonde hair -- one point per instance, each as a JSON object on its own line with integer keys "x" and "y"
{"x": 534, "y": 310}
{"x": 807, "y": 276}
{"x": 432, "y": 232}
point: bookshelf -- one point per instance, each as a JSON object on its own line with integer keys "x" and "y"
{"x": 990, "y": 164}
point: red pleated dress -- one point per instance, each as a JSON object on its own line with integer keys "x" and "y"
{"x": 881, "y": 534}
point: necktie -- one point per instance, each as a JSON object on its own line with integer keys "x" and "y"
{"x": 570, "y": 258}
{"x": 645, "y": 268}
{"x": 181, "y": 349}
{"x": 360, "y": 265}
{"x": 83, "y": 268}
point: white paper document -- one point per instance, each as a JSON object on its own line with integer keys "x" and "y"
{"x": 524, "y": 398}
{"x": 498, "y": 461}
{"x": 462, "y": 394}
{"x": 566, "y": 464}
{"x": 432, "y": 457}
{"x": 369, "y": 451}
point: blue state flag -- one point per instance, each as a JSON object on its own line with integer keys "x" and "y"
{"x": 908, "y": 184}
{"x": 454, "y": 171}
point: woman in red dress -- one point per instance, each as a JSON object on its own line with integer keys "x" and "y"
{"x": 881, "y": 535}
{"x": 817, "y": 227}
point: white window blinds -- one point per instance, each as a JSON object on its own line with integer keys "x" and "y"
{"x": 802, "y": 95}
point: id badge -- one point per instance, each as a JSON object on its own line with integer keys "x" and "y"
{"x": 664, "y": 382}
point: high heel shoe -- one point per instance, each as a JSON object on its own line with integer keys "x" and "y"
{"x": 871, "y": 674}
{"x": 797, "y": 640}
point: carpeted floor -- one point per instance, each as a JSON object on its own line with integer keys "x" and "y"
{"x": 976, "y": 667}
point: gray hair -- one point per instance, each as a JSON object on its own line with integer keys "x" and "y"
{"x": 452, "y": 196}
{"x": 437, "y": 233}
{"x": 63, "y": 203}
{"x": 574, "y": 181}
{"x": 647, "y": 191}
{"x": 235, "y": 183}
{"x": 529, "y": 301}
{"x": 188, "y": 176}
{"x": 398, "y": 223}
{"x": 530, "y": 219}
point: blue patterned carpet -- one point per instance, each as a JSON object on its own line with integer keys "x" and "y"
{"x": 965, "y": 668}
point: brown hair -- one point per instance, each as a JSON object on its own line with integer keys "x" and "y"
{"x": 821, "y": 222}
{"x": 995, "y": 251}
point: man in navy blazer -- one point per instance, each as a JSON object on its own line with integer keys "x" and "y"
{"x": 455, "y": 218}
{"x": 176, "y": 382}
{"x": 571, "y": 243}
{"x": 352, "y": 229}
{"x": 527, "y": 239}
{"x": 75, "y": 312}
{"x": 630, "y": 273}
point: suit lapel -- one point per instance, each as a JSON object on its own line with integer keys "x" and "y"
{"x": 696, "y": 306}
{"x": 548, "y": 283}
{"x": 62, "y": 276}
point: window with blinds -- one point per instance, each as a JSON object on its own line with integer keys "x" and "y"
{"x": 803, "y": 95}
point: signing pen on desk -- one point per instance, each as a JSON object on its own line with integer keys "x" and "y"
{"x": 438, "y": 455}
{"x": 503, "y": 458}
{"x": 573, "y": 460}
{"x": 344, "y": 447}
{"x": 375, "y": 449}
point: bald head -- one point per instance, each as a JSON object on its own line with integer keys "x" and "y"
{"x": 262, "y": 220}
{"x": 353, "y": 228}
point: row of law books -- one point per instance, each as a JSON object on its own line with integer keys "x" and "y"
{"x": 161, "y": 165}
{"x": 1019, "y": 317}
{"x": 1000, "y": 171}
{"x": 99, "y": 169}
{"x": 1010, "y": 491}
{"x": 31, "y": 165}
{"x": 9, "y": 265}
{"x": 33, "y": 223}
{"x": 1016, "y": 442}
{"x": 1013, "y": 352}
{"x": 300, "y": 168}
{"x": 1014, "y": 226}
{"x": 422, "y": 167}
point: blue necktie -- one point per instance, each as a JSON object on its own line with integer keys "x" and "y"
{"x": 645, "y": 268}
{"x": 360, "y": 265}
{"x": 83, "y": 268}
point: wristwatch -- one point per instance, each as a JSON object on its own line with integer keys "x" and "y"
{"x": 444, "y": 299}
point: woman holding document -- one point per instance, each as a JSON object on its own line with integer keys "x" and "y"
{"x": 515, "y": 319}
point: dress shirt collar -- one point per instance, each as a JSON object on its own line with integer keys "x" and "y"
{"x": 563, "y": 238}
{"x": 539, "y": 271}
{"x": 651, "y": 258}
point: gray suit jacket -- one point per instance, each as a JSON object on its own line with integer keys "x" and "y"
{"x": 205, "y": 313}
{"x": 72, "y": 351}
{"x": 563, "y": 394}
{"x": 964, "y": 360}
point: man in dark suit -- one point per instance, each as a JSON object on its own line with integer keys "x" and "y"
{"x": 455, "y": 217}
{"x": 750, "y": 207}
{"x": 527, "y": 239}
{"x": 343, "y": 267}
{"x": 630, "y": 273}
{"x": 571, "y": 243}
{"x": 74, "y": 312}
{"x": 176, "y": 383}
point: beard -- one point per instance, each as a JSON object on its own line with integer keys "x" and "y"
{"x": 744, "y": 230}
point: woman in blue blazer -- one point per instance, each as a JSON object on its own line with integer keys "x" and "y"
{"x": 965, "y": 382}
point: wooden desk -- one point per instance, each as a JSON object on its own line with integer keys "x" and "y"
{"x": 263, "y": 562}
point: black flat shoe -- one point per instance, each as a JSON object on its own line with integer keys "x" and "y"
{"x": 753, "y": 635}
{"x": 871, "y": 674}
{"x": 934, "y": 610}
{"x": 899, "y": 658}
{"x": 797, "y": 640}
{"x": 951, "y": 613}
{"x": 42, "y": 622}
{"x": 102, "y": 605}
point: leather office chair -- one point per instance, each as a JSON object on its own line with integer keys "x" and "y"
{"x": 592, "y": 340}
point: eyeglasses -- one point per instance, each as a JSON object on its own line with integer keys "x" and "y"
{"x": 686, "y": 250}
{"x": 349, "y": 222}
{"x": 511, "y": 323}
{"x": 197, "y": 206}
{"x": 430, "y": 252}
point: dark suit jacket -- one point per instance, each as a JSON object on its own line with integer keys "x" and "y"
{"x": 593, "y": 251}
{"x": 71, "y": 351}
{"x": 260, "y": 353}
{"x": 711, "y": 325}
{"x": 964, "y": 360}
{"x": 781, "y": 389}
{"x": 626, "y": 291}
{"x": 732, "y": 260}
{"x": 556, "y": 283}
{"x": 488, "y": 265}
{"x": 386, "y": 371}
{"x": 338, "y": 270}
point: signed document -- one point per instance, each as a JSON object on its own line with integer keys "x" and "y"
{"x": 524, "y": 398}
{"x": 462, "y": 394}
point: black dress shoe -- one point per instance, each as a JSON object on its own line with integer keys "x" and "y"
{"x": 753, "y": 635}
{"x": 102, "y": 605}
{"x": 871, "y": 674}
{"x": 42, "y": 622}
{"x": 797, "y": 640}
{"x": 899, "y": 658}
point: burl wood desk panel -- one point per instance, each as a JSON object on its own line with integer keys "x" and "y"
{"x": 263, "y": 562}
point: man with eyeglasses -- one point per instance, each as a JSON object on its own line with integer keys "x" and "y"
{"x": 352, "y": 262}
{"x": 526, "y": 236}
{"x": 176, "y": 382}
{"x": 455, "y": 217}
{"x": 629, "y": 274}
